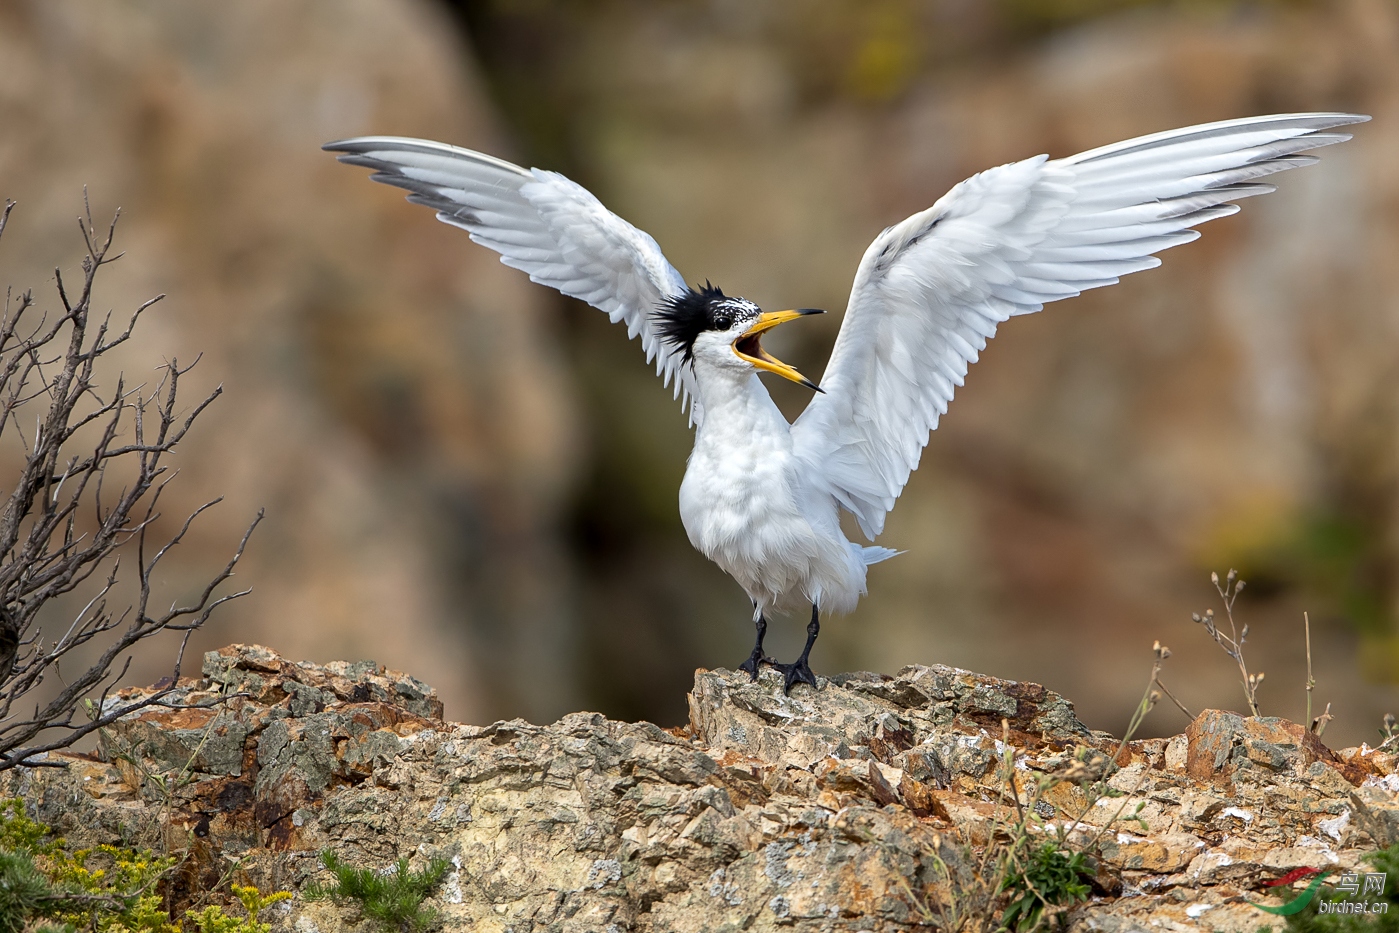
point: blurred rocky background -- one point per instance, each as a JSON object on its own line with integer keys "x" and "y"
{"x": 473, "y": 479}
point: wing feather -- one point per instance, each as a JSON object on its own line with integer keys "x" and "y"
{"x": 930, "y": 291}
{"x": 543, "y": 224}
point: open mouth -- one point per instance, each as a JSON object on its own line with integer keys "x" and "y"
{"x": 749, "y": 347}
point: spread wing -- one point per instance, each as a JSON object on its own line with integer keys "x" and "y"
{"x": 544, "y": 225}
{"x": 930, "y": 291}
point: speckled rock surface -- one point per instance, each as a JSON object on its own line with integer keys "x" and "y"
{"x": 849, "y": 807}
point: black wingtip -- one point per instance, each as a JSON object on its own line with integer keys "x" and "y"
{"x": 355, "y": 145}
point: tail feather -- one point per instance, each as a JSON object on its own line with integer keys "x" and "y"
{"x": 873, "y": 555}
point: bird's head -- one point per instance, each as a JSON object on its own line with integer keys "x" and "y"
{"x": 712, "y": 330}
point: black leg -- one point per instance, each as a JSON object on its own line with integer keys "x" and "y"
{"x": 757, "y": 658}
{"x": 799, "y": 672}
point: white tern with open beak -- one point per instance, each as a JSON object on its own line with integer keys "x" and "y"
{"x": 762, "y": 497}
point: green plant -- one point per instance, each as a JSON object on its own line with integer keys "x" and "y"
{"x": 60, "y": 886}
{"x": 1048, "y": 877}
{"x": 1388, "y": 732}
{"x": 23, "y": 890}
{"x": 214, "y": 920}
{"x": 122, "y": 887}
{"x": 46, "y": 887}
{"x": 18, "y": 833}
{"x": 393, "y": 899}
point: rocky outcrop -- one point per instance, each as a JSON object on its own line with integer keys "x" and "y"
{"x": 858, "y": 806}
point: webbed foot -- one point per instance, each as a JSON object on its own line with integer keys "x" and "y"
{"x": 755, "y": 662}
{"x": 798, "y": 672}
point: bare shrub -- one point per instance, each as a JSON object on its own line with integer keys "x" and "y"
{"x": 63, "y": 522}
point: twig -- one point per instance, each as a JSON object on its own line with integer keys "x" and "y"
{"x": 1388, "y": 730}
{"x": 1154, "y": 689}
{"x": 1161, "y": 653}
{"x": 1311, "y": 681}
{"x": 1233, "y": 643}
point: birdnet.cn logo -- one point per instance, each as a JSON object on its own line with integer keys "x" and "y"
{"x": 1347, "y": 895}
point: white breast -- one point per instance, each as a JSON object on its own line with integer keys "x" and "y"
{"x": 745, "y": 507}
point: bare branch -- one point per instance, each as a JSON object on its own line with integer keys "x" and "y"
{"x": 49, "y": 546}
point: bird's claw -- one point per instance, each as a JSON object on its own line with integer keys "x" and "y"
{"x": 754, "y": 664}
{"x": 798, "y": 672}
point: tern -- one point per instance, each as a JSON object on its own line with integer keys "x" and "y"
{"x": 762, "y": 497}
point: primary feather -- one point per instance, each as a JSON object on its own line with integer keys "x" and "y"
{"x": 931, "y": 290}
{"x": 543, "y": 224}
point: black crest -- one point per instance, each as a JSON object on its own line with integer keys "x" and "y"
{"x": 682, "y": 318}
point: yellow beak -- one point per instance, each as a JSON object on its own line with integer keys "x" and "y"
{"x": 748, "y": 348}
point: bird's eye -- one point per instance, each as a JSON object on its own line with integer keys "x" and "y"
{"x": 723, "y": 322}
